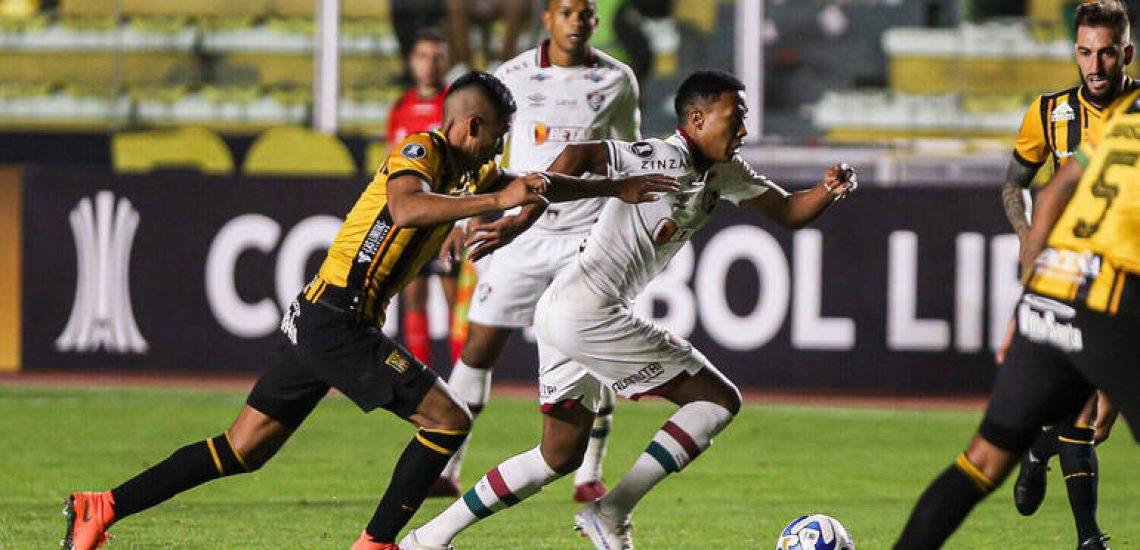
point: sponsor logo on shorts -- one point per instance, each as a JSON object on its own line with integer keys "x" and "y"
{"x": 651, "y": 371}
{"x": 398, "y": 362}
{"x": 289, "y": 321}
{"x": 482, "y": 292}
{"x": 1047, "y": 321}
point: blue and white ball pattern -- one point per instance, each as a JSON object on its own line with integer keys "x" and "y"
{"x": 815, "y": 532}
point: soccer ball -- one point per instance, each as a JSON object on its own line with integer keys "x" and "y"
{"x": 815, "y": 532}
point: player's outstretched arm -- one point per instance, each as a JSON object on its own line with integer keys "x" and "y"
{"x": 591, "y": 158}
{"x": 1017, "y": 178}
{"x": 796, "y": 210}
{"x": 412, "y": 203}
{"x": 1051, "y": 202}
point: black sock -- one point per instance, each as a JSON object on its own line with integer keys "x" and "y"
{"x": 946, "y": 502}
{"x": 187, "y": 468}
{"x": 1078, "y": 463}
{"x": 419, "y": 466}
{"x": 1046, "y": 445}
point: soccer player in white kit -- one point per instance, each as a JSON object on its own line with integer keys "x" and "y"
{"x": 567, "y": 92}
{"x": 589, "y": 338}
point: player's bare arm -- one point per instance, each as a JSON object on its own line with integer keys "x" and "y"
{"x": 798, "y": 209}
{"x": 1017, "y": 177}
{"x": 1051, "y": 202}
{"x": 412, "y": 204}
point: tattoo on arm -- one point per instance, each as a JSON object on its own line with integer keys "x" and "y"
{"x": 1017, "y": 177}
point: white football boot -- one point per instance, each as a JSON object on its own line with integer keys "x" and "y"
{"x": 604, "y": 532}
{"x": 410, "y": 542}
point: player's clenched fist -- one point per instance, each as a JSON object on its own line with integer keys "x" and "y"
{"x": 645, "y": 188}
{"x": 840, "y": 180}
{"x": 522, "y": 190}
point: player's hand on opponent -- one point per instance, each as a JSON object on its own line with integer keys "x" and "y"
{"x": 839, "y": 181}
{"x": 489, "y": 237}
{"x": 645, "y": 188}
{"x": 522, "y": 190}
{"x": 452, "y": 250}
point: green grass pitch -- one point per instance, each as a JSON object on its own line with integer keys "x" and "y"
{"x": 864, "y": 466}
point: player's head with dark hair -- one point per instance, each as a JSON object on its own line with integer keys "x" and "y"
{"x": 710, "y": 109}
{"x": 477, "y": 113}
{"x": 1103, "y": 48}
{"x": 429, "y": 59}
{"x": 570, "y": 23}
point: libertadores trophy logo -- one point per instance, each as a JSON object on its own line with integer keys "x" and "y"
{"x": 101, "y": 317}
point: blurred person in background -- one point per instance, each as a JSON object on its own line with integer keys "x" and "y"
{"x": 421, "y": 110}
{"x": 462, "y": 15}
{"x": 628, "y": 27}
{"x": 1053, "y": 128}
{"x": 409, "y": 17}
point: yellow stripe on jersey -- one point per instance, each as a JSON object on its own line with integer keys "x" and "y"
{"x": 371, "y": 256}
{"x": 1095, "y": 244}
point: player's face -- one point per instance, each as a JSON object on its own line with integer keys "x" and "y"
{"x": 570, "y": 23}
{"x": 1102, "y": 56}
{"x": 722, "y": 130}
{"x": 489, "y": 138}
{"x": 429, "y": 62}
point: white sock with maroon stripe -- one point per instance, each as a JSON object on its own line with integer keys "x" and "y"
{"x": 676, "y": 444}
{"x": 473, "y": 386}
{"x": 505, "y": 485}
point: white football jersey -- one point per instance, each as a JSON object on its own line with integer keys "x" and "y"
{"x": 561, "y": 105}
{"x": 632, "y": 243}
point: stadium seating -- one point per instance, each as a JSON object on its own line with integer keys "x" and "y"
{"x": 298, "y": 151}
{"x": 188, "y": 148}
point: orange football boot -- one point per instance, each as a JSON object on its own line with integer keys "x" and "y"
{"x": 365, "y": 542}
{"x": 88, "y": 517}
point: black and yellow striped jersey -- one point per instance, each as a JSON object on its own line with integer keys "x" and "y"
{"x": 1056, "y": 123}
{"x": 1095, "y": 244}
{"x": 372, "y": 257}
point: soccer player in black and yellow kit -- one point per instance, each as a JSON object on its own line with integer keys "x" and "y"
{"x": 1076, "y": 324}
{"x": 1052, "y": 130}
{"x": 332, "y": 334}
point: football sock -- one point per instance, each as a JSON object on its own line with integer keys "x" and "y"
{"x": 417, "y": 336}
{"x": 187, "y": 468}
{"x": 1045, "y": 446}
{"x": 591, "y": 468}
{"x": 688, "y": 432}
{"x": 504, "y": 486}
{"x": 417, "y": 469}
{"x": 1079, "y": 465}
{"x": 946, "y": 502}
{"x": 473, "y": 386}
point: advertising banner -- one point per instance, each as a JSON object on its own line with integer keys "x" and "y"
{"x": 894, "y": 289}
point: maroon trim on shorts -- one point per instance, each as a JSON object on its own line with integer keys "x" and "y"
{"x": 565, "y": 404}
{"x": 663, "y": 388}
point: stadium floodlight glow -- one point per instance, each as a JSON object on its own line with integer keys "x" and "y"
{"x": 326, "y": 60}
{"x": 749, "y": 59}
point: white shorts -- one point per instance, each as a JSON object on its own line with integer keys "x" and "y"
{"x": 516, "y": 276}
{"x": 586, "y": 341}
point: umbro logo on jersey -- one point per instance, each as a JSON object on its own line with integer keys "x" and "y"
{"x": 414, "y": 151}
{"x": 593, "y": 76}
{"x": 643, "y": 149}
{"x": 1063, "y": 112}
{"x": 539, "y": 77}
{"x": 595, "y": 100}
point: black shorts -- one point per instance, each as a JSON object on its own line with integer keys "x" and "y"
{"x": 1059, "y": 356}
{"x": 330, "y": 349}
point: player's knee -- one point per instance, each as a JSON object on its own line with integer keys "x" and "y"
{"x": 562, "y": 460}
{"x": 455, "y": 417}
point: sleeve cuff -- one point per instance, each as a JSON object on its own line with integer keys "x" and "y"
{"x": 1026, "y": 162}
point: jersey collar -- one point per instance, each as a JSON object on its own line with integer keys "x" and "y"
{"x": 1124, "y": 90}
{"x": 544, "y": 56}
{"x": 699, "y": 161}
